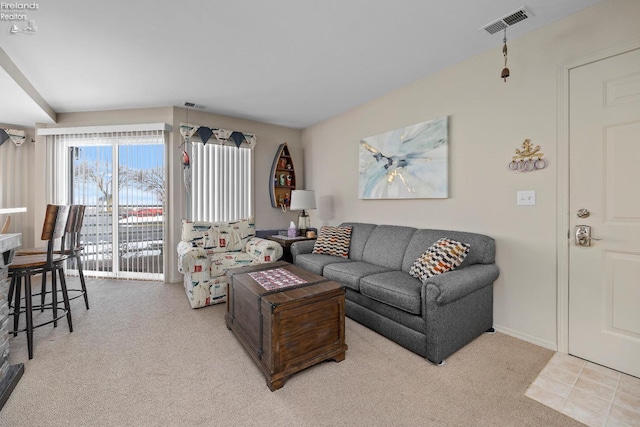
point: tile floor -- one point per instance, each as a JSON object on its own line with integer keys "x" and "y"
{"x": 589, "y": 393}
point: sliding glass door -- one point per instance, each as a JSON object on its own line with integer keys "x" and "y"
{"x": 141, "y": 202}
{"x": 121, "y": 180}
{"x": 92, "y": 174}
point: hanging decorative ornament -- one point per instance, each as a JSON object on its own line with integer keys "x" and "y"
{"x": 185, "y": 159}
{"x": 238, "y": 138}
{"x": 505, "y": 70}
{"x": 17, "y": 136}
{"x": 3, "y": 136}
{"x": 186, "y": 166}
{"x": 187, "y": 130}
{"x": 204, "y": 133}
{"x": 222, "y": 135}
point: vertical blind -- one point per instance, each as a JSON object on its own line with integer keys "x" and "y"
{"x": 121, "y": 178}
{"x": 221, "y": 188}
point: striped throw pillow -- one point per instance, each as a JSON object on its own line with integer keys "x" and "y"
{"x": 444, "y": 255}
{"x": 333, "y": 241}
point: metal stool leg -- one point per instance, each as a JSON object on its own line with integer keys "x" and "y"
{"x": 28, "y": 314}
{"x": 65, "y": 296}
{"x": 43, "y": 290}
{"x": 16, "y": 306}
{"x": 12, "y": 288}
{"x": 54, "y": 298}
{"x": 84, "y": 286}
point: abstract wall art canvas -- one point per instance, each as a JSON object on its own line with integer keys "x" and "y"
{"x": 406, "y": 163}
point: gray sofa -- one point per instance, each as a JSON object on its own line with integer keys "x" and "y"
{"x": 433, "y": 318}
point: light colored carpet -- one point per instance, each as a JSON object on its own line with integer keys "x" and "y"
{"x": 142, "y": 357}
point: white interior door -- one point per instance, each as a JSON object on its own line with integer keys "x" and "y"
{"x": 604, "y": 147}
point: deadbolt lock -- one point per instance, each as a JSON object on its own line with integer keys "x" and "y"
{"x": 583, "y": 213}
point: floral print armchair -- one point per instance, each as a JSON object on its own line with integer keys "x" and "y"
{"x": 208, "y": 249}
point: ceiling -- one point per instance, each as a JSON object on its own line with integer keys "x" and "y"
{"x": 286, "y": 62}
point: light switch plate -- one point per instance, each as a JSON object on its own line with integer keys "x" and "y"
{"x": 526, "y": 198}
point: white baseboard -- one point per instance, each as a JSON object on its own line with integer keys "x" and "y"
{"x": 528, "y": 338}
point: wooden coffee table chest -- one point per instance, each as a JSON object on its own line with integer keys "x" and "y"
{"x": 285, "y": 327}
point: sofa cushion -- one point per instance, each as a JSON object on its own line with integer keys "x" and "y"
{"x": 444, "y": 255}
{"x": 360, "y": 233}
{"x": 350, "y": 273}
{"x": 333, "y": 241}
{"x": 482, "y": 251}
{"x": 315, "y": 263}
{"x": 386, "y": 246}
{"x": 395, "y": 288}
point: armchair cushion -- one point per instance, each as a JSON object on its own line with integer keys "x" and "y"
{"x": 223, "y": 261}
{"x": 216, "y": 237}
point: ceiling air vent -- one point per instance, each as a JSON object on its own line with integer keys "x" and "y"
{"x": 508, "y": 20}
{"x": 193, "y": 105}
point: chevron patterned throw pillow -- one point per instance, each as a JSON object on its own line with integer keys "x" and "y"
{"x": 333, "y": 241}
{"x": 444, "y": 255}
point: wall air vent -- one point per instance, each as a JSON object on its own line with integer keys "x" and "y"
{"x": 508, "y": 20}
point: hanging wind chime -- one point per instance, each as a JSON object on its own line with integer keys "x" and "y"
{"x": 505, "y": 70}
{"x": 186, "y": 163}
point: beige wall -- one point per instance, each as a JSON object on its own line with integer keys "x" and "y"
{"x": 489, "y": 119}
{"x": 268, "y": 139}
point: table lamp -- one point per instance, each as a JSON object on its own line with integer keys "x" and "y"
{"x": 303, "y": 200}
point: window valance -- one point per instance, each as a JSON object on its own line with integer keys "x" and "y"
{"x": 195, "y": 133}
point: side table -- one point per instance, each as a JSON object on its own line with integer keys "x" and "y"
{"x": 286, "y": 242}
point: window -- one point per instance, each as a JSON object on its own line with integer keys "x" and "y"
{"x": 221, "y": 178}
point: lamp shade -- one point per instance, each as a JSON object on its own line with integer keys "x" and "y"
{"x": 303, "y": 200}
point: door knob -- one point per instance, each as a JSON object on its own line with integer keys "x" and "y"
{"x": 583, "y": 235}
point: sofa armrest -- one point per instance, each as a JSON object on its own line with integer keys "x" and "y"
{"x": 264, "y": 250}
{"x": 454, "y": 285}
{"x": 303, "y": 247}
{"x": 192, "y": 259}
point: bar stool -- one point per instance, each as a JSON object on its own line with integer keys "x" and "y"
{"x": 26, "y": 266}
{"x": 69, "y": 246}
{"x": 5, "y": 227}
{"x": 75, "y": 253}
